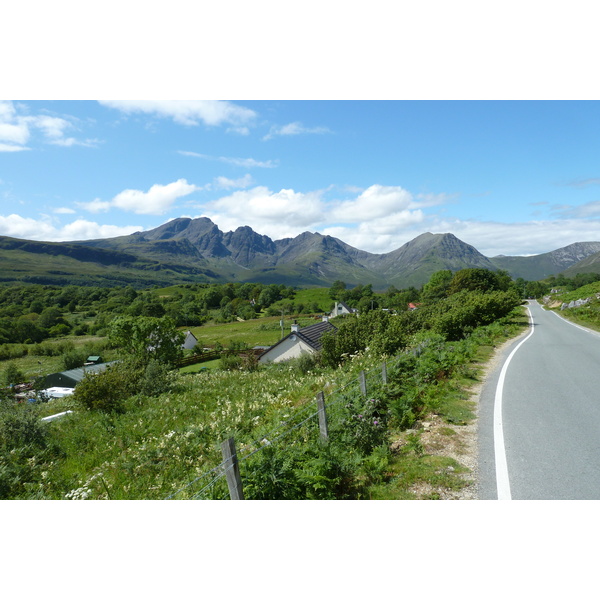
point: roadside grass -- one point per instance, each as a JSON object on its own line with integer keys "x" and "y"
{"x": 413, "y": 473}
{"x": 415, "y": 476}
{"x": 587, "y": 315}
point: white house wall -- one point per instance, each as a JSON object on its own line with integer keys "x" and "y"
{"x": 286, "y": 350}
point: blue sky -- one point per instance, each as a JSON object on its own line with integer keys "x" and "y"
{"x": 509, "y": 177}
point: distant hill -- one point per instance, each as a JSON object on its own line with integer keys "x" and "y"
{"x": 308, "y": 259}
{"x": 590, "y": 264}
{"x": 534, "y": 268}
{"x": 196, "y": 250}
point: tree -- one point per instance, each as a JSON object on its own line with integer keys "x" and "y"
{"x": 147, "y": 338}
{"x": 336, "y": 290}
{"x": 478, "y": 280}
{"x": 437, "y": 286}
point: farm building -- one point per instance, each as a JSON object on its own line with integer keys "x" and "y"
{"x": 305, "y": 340}
{"x": 69, "y": 379}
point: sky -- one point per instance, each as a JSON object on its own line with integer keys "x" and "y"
{"x": 371, "y": 126}
{"x": 371, "y": 122}
{"x": 508, "y": 177}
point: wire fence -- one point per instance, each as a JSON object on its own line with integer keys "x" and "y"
{"x": 217, "y": 486}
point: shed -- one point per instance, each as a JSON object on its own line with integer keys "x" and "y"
{"x": 306, "y": 340}
{"x": 69, "y": 379}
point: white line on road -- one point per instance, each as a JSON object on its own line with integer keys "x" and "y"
{"x": 594, "y": 333}
{"x": 502, "y": 481}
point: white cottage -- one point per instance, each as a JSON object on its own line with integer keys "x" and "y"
{"x": 305, "y": 340}
{"x": 190, "y": 341}
{"x": 342, "y": 308}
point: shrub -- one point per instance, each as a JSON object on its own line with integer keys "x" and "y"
{"x": 107, "y": 391}
{"x": 9, "y": 351}
{"x": 12, "y": 375}
{"x": 231, "y": 363}
{"x": 156, "y": 379}
{"x": 73, "y": 359}
{"x": 305, "y": 363}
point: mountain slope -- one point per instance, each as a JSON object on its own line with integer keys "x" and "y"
{"x": 196, "y": 250}
{"x": 417, "y": 260}
{"x": 534, "y": 268}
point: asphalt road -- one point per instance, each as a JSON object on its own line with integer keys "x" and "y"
{"x": 543, "y": 403}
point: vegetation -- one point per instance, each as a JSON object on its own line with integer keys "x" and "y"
{"x": 143, "y": 430}
{"x": 588, "y": 314}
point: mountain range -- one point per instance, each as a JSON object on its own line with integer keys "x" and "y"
{"x": 188, "y": 250}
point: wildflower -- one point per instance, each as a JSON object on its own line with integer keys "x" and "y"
{"x": 375, "y": 422}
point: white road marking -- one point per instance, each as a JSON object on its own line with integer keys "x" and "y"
{"x": 594, "y": 333}
{"x": 502, "y": 480}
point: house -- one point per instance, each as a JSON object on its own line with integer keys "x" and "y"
{"x": 341, "y": 308}
{"x": 93, "y": 360}
{"x": 190, "y": 341}
{"x": 413, "y": 305}
{"x": 305, "y": 340}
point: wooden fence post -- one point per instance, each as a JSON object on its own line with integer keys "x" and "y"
{"x": 232, "y": 473}
{"x": 323, "y": 429}
{"x": 362, "y": 379}
{"x": 384, "y": 373}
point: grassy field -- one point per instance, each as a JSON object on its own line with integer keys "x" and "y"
{"x": 265, "y": 331}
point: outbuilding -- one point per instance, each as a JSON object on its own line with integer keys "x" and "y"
{"x": 70, "y": 378}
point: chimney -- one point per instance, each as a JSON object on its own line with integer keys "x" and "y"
{"x": 325, "y": 319}
{"x": 294, "y": 327}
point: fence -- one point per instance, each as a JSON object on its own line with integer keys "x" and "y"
{"x": 198, "y": 358}
{"x": 316, "y": 414}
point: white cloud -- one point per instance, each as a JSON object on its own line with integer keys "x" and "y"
{"x": 12, "y": 148}
{"x": 88, "y": 230}
{"x": 226, "y": 184}
{"x": 376, "y": 201}
{"x": 156, "y": 201}
{"x": 95, "y": 206}
{"x": 590, "y": 209}
{"x": 247, "y": 163}
{"x": 276, "y": 214}
{"x": 17, "y": 129}
{"x": 515, "y": 239}
{"x": 190, "y": 112}
{"x": 44, "y": 230}
{"x": 63, "y": 211}
{"x": 295, "y": 128}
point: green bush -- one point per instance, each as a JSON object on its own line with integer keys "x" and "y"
{"x": 12, "y": 375}
{"x": 108, "y": 390}
{"x": 10, "y": 351}
{"x": 156, "y": 379}
{"x": 73, "y": 359}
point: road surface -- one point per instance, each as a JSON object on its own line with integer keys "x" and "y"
{"x": 539, "y": 420}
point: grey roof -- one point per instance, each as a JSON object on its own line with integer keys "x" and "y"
{"x": 311, "y": 335}
{"x": 74, "y": 376}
